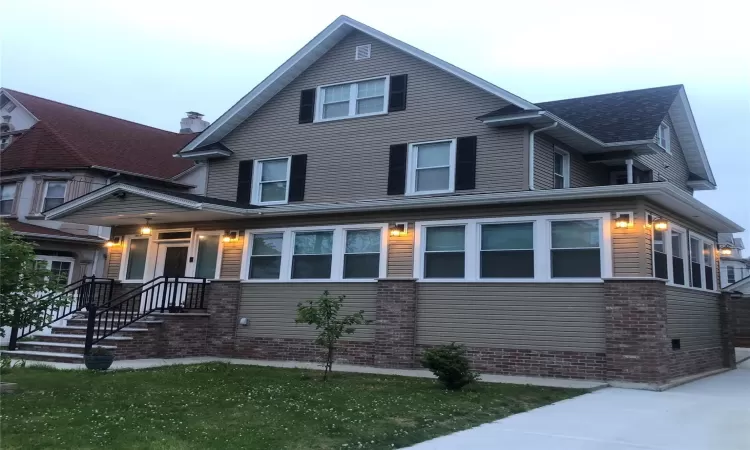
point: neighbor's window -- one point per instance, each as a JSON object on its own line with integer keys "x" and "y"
{"x": 54, "y": 194}
{"x": 7, "y": 197}
{"x": 661, "y": 259}
{"x": 562, "y": 169}
{"x": 575, "y": 251}
{"x": 271, "y": 181}
{"x": 507, "y": 250}
{"x": 731, "y": 278}
{"x": 61, "y": 271}
{"x": 444, "y": 254}
{"x": 352, "y": 99}
{"x": 362, "y": 254}
{"x": 678, "y": 257}
{"x": 137, "y": 250}
{"x": 432, "y": 167}
{"x": 208, "y": 255}
{"x": 313, "y": 254}
{"x": 265, "y": 256}
{"x": 696, "y": 256}
{"x": 663, "y": 137}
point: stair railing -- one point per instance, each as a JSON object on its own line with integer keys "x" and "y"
{"x": 172, "y": 294}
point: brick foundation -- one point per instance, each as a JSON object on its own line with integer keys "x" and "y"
{"x": 690, "y": 362}
{"x": 395, "y": 323}
{"x": 222, "y": 302}
{"x": 182, "y": 335}
{"x": 289, "y": 349}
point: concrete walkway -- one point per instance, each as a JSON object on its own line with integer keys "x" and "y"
{"x": 709, "y": 414}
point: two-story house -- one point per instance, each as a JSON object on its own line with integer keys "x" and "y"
{"x": 553, "y": 239}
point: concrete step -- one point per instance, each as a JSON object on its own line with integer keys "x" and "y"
{"x": 140, "y": 323}
{"x": 58, "y": 347}
{"x": 81, "y": 330}
{"x": 33, "y": 355}
{"x": 74, "y": 338}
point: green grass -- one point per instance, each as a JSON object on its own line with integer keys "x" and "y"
{"x": 221, "y": 406}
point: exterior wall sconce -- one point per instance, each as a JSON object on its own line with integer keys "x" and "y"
{"x": 623, "y": 220}
{"x": 398, "y": 229}
{"x": 146, "y": 229}
{"x": 114, "y": 242}
{"x": 661, "y": 224}
{"x": 725, "y": 251}
{"x": 231, "y": 236}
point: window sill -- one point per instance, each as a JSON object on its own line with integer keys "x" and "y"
{"x": 510, "y": 280}
{"x": 421, "y": 193}
{"x": 359, "y": 116}
{"x": 312, "y": 280}
{"x": 708, "y": 291}
{"x": 270, "y": 203}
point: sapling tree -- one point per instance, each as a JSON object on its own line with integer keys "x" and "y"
{"x": 324, "y": 314}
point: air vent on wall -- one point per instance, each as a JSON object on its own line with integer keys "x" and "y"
{"x": 362, "y": 52}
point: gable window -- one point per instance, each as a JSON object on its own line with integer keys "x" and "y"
{"x": 444, "y": 255}
{"x": 355, "y": 99}
{"x": 507, "y": 250}
{"x": 265, "y": 256}
{"x": 271, "y": 181}
{"x": 562, "y": 169}
{"x": 432, "y": 167}
{"x": 54, "y": 194}
{"x": 575, "y": 249}
{"x": 731, "y": 277}
{"x": 663, "y": 137}
{"x": 7, "y": 198}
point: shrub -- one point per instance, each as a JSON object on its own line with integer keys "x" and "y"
{"x": 450, "y": 365}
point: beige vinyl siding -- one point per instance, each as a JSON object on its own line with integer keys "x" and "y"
{"x": 111, "y": 206}
{"x": 231, "y": 259}
{"x": 438, "y": 106}
{"x": 272, "y": 307}
{"x": 693, "y": 317}
{"x": 672, "y": 168}
{"x": 582, "y": 173}
{"x": 626, "y": 252}
{"x": 114, "y": 260}
{"x": 401, "y": 255}
{"x": 513, "y": 315}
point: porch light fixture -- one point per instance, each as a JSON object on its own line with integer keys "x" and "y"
{"x": 661, "y": 224}
{"x": 231, "y": 236}
{"x": 624, "y": 220}
{"x": 114, "y": 242}
{"x": 726, "y": 250}
{"x": 398, "y": 229}
{"x": 146, "y": 229}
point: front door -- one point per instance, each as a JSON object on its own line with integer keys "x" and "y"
{"x": 171, "y": 262}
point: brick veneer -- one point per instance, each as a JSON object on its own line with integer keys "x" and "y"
{"x": 222, "y": 301}
{"x": 295, "y": 349}
{"x": 690, "y": 362}
{"x": 395, "y": 323}
{"x": 182, "y": 335}
{"x": 737, "y": 310}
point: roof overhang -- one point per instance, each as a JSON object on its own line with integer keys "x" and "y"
{"x": 214, "y": 150}
{"x": 684, "y": 125}
{"x": 55, "y": 237}
{"x": 308, "y": 55}
{"x": 741, "y": 286}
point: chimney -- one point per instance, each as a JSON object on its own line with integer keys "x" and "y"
{"x": 193, "y": 123}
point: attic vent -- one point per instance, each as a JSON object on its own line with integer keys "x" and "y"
{"x": 362, "y": 52}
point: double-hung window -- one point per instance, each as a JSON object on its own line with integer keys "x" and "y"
{"x": 702, "y": 263}
{"x": 507, "y": 250}
{"x": 709, "y": 264}
{"x": 678, "y": 257}
{"x": 561, "y": 169}
{"x": 265, "y": 256}
{"x": 575, "y": 250}
{"x": 731, "y": 277}
{"x": 313, "y": 254}
{"x": 362, "y": 253}
{"x": 7, "y": 197}
{"x": 696, "y": 256}
{"x": 432, "y": 167}
{"x": 663, "y": 137}
{"x": 361, "y": 98}
{"x": 271, "y": 181}
{"x": 661, "y": 257}
{"x": 444, "y": 253}
{"x": 54, "y": 194}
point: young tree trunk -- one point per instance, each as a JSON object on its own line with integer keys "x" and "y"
{"x": 329, "y": 362}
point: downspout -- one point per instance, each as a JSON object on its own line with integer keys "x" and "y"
{"x": 531, "y": 152}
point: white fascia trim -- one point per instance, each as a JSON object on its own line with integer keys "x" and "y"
{"x": 514, "y": 117}
{"x": 737, "y": 285}
{"x": 694, "y": 128}
{"x": 321, "y": 38}
{"x": 58, "y": 237}
{"x": 150, "y": 177}
{"x": 185, "y": 172}
{"x": 17, "y": 103}
{"x": 701, "y": 185}
{"x": 201, "y": 154}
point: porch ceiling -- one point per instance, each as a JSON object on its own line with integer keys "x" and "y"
{"x": 156, "y": 216}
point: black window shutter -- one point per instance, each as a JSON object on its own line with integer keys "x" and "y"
{"x": 307, "y": 106}
{"x": 297, "y": 175}
{"x": 245, "y": 181}
{"x": 397, "y": 169}
{"x": 397, "y": 96}
{"x": 466, "y": 163}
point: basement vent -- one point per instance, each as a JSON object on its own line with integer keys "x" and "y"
{"x": 362, "y": 52}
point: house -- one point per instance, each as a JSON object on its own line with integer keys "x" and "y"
{"x": 553, "y": 239}
{"x": 733, "y": 266}
{"x": 53, "y": 153}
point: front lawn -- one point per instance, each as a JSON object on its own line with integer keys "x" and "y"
{"x": 221, "y": 406}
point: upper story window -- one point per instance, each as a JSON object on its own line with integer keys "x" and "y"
{"x": 7, "y": 198}
{"x": 431, "y": 167}
{"x": 271, "y": 181}
{"x": 562, "y": 169}
{"x": 355, "y": 99}
{"x": 663, "y": 137}
{"x": 54, "y": 194}
{"x": 731, "y": 279}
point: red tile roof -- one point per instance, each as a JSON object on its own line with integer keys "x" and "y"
{"x": 68, "y": 137}
{"x": 23, "y": 227}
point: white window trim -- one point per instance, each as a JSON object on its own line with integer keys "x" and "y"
{"x": 566, "y": 168}
{"x": 542, "y": 248}
{"x": 257, "y": 172}
{"x": 13, "y": 200}
{"x": 337, "y": 254}
{"x": 411, "y": 169}
{"x": 193, "y": 251}
{"x": 667, "y": 138}
{"x": 703, "y": 240}
{"x": 686, "y": 256}
{"x": 352, "y": 99}
{"x": 50, "y": 259}
{"x": 126, "y": 258}
{"x": 46, "y": 188}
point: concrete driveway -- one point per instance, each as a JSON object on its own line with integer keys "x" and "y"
{"x": 708, "y": 414}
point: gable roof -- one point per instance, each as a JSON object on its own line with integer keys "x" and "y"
{"x": 68, "y": 137}
{"x": 310, "y": 53}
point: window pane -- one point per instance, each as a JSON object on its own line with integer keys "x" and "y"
{"x": 313, "y": 242}
{"x": 507, "y": 264}
{"x": 8, "y": 191}
{"x": 709, "y": 278}
{"x": 50, "y": 203}
{"x": 372, "y": 88}
{"x": 659, "y": 241}
{"x": 273, "y": 192}
{"x": 583, "y": 263}
{"x": 362, "y": 266}
{"x": 433, "y": 179}
{"x": 676, "y": 244}
{"x": 695, "y": 275}
{"x": 265, "y": 267}
{"x": 575, "y": 234}
{"x": 731, "y": 278}
{"x": 444, "y": 265}
{"x": 136, "y": 259}
{"x": 56, "y": 189}
{"x": 695, "y": 250}
{"x": 267, "y": 244}
{"x": 370, "y": 105}
{"x": 274, "y": 170}
{"x": 445, "y": 238}
{"x": 333, "y": 94}
{"x": 363, "y": 241}
{"x": 559, "y": 182}
{"x": 335, "y": 110}
{"x": 678, "y": 270}
{"x": 208, "y": 252}
{"x": 708, "y": 255}
{"x": 434, "y": 155}
{"x": 559, "y": 163}
{"x": 311, "y": 266}
{"x": 6, "y": 206}
{"x": 508, "y": 236}
{"x": 660, "y": 265}
{"x": 61, "y": 271}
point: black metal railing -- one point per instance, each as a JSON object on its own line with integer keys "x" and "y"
{"x": 73, "y": 298}
{"x": 162, "y": 294}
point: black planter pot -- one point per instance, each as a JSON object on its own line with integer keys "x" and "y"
{"x": 98, "y": 362}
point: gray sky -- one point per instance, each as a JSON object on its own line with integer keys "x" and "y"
{"x": 150, "y": 61}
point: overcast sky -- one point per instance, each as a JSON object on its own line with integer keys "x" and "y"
{"x": 150, "y": 61}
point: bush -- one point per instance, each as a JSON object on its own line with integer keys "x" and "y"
{"x": 450, "y": 365}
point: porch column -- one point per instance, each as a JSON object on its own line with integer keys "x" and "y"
{"x": 629, "y": 165}
{"x": 222, "y": 303}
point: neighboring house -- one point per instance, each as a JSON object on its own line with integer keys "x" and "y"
{"x": 733, "y": 266}
{"x": 53, "y": 153}
{"x": 552, "y": 239}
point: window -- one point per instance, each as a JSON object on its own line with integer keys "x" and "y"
{"x": 271, "y": 181}
{"x": 208, "y": 256}
{"x": 175, "y": 235}
{"x": 432, "y": 167}
{"x": 265, "y": 259}
{"x": 444, "y": 255}
{"x": 5, "y": 141}
{"x": 661, "y": 259}
{"x": 678, "y": 257}
{"x": 136, "y": 266}
{"x": 684, "y": 259}
{"x": 709, "y": 263}
{"x": 562, "y": 169}
{"x": 362, "y": 254}
{"x": 362, "y": 98}
{"x": 663, "y": 137}
{"x": 507, "y": 250}
{"x": 702, "y": 262}
{"x": 731, "y": 277}
{"x": 575, "y": 249}
{"x": 7, "y": 198}
{"x": 696, "y": 256}
{"x": 61, "y": 268}
{"x": 54, "y": 194}
{"x": 313, "y": 254}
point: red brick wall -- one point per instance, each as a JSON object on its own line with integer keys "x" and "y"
{"x": 395, "y": 323}
{"x": 288, "y": 349}
{"x": 222, "y": 302}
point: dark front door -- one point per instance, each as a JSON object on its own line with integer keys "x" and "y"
{"x": 175, "y": 261}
